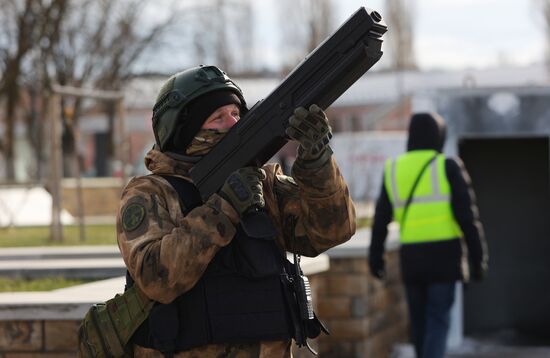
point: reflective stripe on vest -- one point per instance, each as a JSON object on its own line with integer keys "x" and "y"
{"x": 429, "y": 217}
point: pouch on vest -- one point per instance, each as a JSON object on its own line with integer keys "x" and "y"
{"x": 253, "y": 258}
{"x": 107, "y": 327}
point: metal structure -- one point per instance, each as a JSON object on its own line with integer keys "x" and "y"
{"x": 56, "y": 155}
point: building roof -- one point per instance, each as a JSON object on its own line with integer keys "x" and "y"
{"x": 373, "y": 87}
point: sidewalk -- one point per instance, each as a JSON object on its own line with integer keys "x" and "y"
{"x": 472, "y": 348}
{"x": 90, "y": 262}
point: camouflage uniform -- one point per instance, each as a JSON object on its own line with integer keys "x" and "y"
{"x": 166, "y": 253}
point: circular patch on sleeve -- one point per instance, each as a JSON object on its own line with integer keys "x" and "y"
{"x": 132, "y": 216}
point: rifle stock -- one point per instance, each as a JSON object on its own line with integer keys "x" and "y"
{"x": 322, "y": 77}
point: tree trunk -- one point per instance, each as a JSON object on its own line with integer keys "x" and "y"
{"x": 8, "y": 146}
{"x": 11, "y": 91}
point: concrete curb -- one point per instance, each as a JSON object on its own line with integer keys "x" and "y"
{"x": 73, "y": 302}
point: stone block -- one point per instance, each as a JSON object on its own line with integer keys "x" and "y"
{"x": 360, "y": 265}
{"x": 375, "y": 285}
{"x": 349, "y": 265}
{"x": 319, "y": 283}
{"x": 377, "y": 302}
{"x": 341, "y": 349}
{"x": 348, "y": 329}
{"x": 378, "y": 322}
{"x": 346, "y": 285}
{"x": 378, "y": 346}
{"x": 398, "y": 333}
{"x": 397, "y": 315}
{"x": 40, "y": 355}
{"x": 396, "y": 292}
{"x": 341, "y": 265}
{"x": 334, "y": 307}
{"x": 359, "y": 307}
{"x": 20, "y": 336}
{"x": 61, "y": 335}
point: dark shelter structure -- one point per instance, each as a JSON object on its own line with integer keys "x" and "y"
{"x": 511, "y": 179}
{"x": 503, "y": 137}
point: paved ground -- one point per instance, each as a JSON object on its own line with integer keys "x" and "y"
{"x": 476, "y": 348}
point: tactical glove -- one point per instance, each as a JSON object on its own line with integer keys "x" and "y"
{"x": 243, "y": 189}
{"x": 311, "y": 129}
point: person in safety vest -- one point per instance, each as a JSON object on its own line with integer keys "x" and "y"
{"x": 431, "y": 197}
{"x": 219, "y": 292}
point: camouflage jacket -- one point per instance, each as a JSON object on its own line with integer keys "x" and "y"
{"x": 166, "y": 253}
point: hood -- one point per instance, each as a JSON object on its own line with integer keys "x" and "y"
{"x": 169, "y": 163}
{"x": 426, "y": 131}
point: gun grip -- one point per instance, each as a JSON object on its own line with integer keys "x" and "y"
{"x": 258, "y": 224}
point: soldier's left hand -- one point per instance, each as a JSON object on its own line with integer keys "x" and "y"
{"x": 311, "y": 129}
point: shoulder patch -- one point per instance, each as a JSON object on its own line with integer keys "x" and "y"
{"x": 132, "y": 216}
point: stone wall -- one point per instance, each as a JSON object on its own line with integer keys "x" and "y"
{"x": 365, "y": 316}
{"x": 39, "y": 338}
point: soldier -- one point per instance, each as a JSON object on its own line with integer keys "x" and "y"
{"x": 218, "y": 291}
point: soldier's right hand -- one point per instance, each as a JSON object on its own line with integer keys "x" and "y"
{"x": 243, "y": 189}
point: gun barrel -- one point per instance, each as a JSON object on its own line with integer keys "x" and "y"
{"x": 322, "y": 77}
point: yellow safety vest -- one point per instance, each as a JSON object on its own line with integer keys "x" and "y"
{"x": 429, "y": 217}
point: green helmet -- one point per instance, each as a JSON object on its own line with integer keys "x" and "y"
{"x": 171, "y": 107}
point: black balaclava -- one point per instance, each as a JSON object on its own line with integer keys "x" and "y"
{"x": 196, "y": 113}
{"x": 426, "y": 131}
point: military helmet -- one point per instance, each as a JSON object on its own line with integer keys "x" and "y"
{"x": 171, "y": 107}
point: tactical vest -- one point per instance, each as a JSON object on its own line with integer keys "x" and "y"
{"x": 240, "y": 298}
{"x": 429, "y": 217}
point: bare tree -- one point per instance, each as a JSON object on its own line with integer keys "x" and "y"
{"x": 243, "y": 35}
{"x": 304, "y": 25}
{"x": 25, "y": 26}
{"x": 399, "y": 19}
{"x": 222, "y": 34}
{"x": 97, "y": 43}
{"x": 100, "y": 42}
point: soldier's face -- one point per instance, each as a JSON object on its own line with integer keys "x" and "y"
{"x": 224, "y": 117}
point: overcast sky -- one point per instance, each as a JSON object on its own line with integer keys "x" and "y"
{"x": 449, "y": 34}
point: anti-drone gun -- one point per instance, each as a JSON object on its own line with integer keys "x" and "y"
{"x": 326, "y": 73}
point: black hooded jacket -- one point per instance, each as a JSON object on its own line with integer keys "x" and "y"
{"x": 441, "y": 261}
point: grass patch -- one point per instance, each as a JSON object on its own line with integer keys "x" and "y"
{"x": 363, "y": 222}
{"x": 40, "y": 236}
{"x": 95, "y": 235}
{"x": 42, "y": 284}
